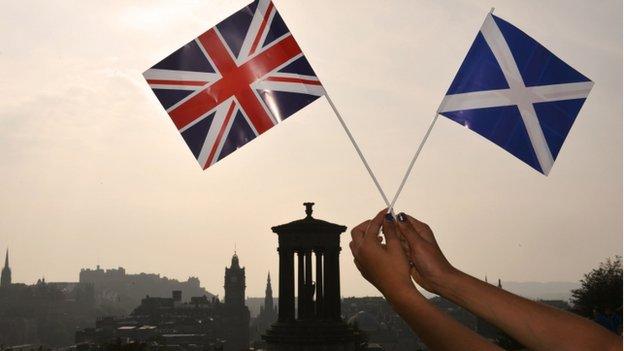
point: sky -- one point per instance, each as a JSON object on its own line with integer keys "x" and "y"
{"x": 94, "y": 172}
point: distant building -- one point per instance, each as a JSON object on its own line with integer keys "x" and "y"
{"x": 44, "y": 313}
{"x": 122, "y": 291}
{"x": 267, "y": 315}
{"x": 380, "y": 324}
{"x": 164, "y": 322}
{"x": 5, "y": 279}
{"x": 237, "y": 314}
{"x": 202, "y": 323}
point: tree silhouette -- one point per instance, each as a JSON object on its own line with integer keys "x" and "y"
{"x": 601, "y": 288}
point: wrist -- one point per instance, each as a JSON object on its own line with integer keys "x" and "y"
{"x": 399, "y": 296}
{"x": 448, "y": 282}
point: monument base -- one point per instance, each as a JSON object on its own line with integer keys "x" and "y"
{"x": 312, "y": 335}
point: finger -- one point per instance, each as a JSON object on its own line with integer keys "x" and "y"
{"x": 390, "y": 231}
{"x": 421, "y": 228}
{"x": 375, "y": 225}
{"x": 357, "y": 233}
{"x": 404, "y": 244}
{"x": 359, "y": 268}
{"x": 410, "y": 234}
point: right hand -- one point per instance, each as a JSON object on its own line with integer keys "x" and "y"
{"x": 430, "y": 269}
{"x": 386, "y": 266}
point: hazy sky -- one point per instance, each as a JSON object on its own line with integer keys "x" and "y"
{"x": 94, "y": 172}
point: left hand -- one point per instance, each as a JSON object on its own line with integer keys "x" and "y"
{"x": 384, "y": 265}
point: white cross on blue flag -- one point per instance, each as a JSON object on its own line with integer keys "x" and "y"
{"x": 516, "y": 93}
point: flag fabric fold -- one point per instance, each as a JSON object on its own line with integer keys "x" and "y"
{"x": 514, "y": 92}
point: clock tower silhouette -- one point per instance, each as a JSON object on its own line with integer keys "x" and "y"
{"x": 236, "y": 319}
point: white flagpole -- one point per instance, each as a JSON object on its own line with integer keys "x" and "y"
{"x": 411, "y": 164}
{"x": 359, "y": 152}
{"x": 422, "y": 143}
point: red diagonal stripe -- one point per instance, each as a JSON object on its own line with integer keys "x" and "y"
{"x": 293, "y": 80}
{"x": 217, "y": 141}
{"x": 235, "y": 80}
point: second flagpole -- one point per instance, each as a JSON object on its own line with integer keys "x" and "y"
{"x": 411, "y": 164}
{"x": 359, "y": 152}
{"x": 422, "y": 143}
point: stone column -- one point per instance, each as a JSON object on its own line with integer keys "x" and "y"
{"x": 336, "y": 270}
{"x": 329, "y": 284}
{"x": 319, "y": 284}
{"x": 331, "y": 297}
{"x": 300, "y": 286}
{"x": 286, "y": 285}
{"x": 308, "y": 303}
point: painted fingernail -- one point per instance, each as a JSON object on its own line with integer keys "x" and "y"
{"x": 402, "y": 217}
{"x": 389, "y": 217}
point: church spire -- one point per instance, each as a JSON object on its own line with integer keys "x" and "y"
{"x": 268, "y": 295}
{"x": 269, "y": 289}
{"x": 5, "y": 278}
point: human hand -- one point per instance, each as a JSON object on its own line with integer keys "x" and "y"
{"x": 430, "y": 269}
{"x": 386, "y": 266}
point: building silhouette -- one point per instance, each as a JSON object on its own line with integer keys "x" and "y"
{"x": 267, "y": 315}
{"x": 316, "y": 324}
{"x": 123, "y": 291}
{"x": 5, "y": 279}
{"x": 201, "y": 323}
{"x": 237, "y": 314}
{"x": 43, "y": 313}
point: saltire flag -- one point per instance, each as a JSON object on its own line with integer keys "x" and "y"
{"x": 516, "y": 93}
{"x": 234, "y": 82}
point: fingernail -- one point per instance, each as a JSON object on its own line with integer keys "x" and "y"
{"x": 389, "y": 217}
{"x": 402, "y": 217}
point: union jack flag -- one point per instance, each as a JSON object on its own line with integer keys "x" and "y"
{"x": 234, "y": 82}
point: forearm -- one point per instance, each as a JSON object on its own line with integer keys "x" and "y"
{"x": 436, "y": 329}
{"x": 535, "y": 325}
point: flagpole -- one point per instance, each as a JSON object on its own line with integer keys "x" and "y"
{"x": 422, "y": 143}
{"x": 413, "y": 161}
{"x": 359, "y": 152}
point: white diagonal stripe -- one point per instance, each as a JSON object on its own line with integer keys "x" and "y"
{"x": 226, "y": 132}
{"x": 503, "y": 97}
{"x": 215, "y": 126}
{"x": 291, "y": 87}
{"x": 252, "y": 32}
{"x": 203, "y": 50}
{"x": 476, "y": 99}
{"x": 557, "y": 92}
{"x": 519, "y": 95}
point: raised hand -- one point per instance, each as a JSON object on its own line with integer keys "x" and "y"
{"x": 429, "y": 267}
{"x": 386, "y": 266}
